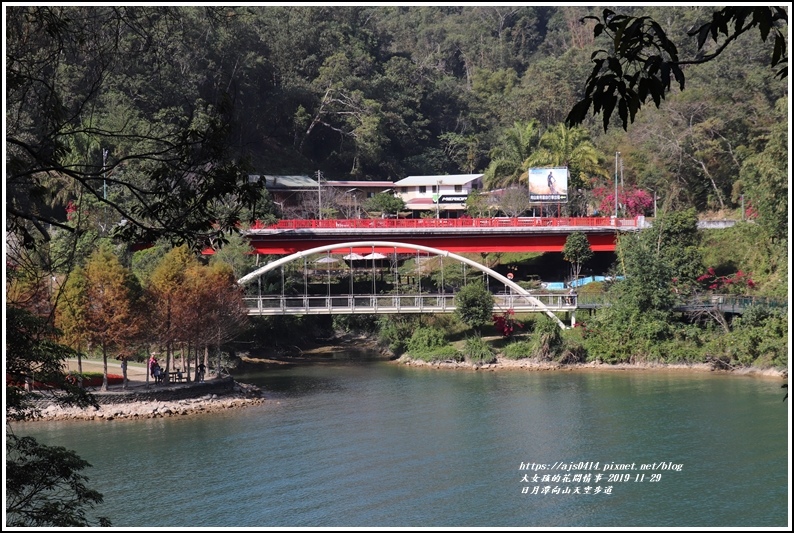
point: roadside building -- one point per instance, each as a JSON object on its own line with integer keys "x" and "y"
{"x": 352, "y": 195}
{"x": 445, "y": 196}
{"x": 301, "y": 196}
{"x": 286, "y": 190}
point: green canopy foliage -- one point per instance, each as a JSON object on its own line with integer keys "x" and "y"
{"x": 474, "y": 305}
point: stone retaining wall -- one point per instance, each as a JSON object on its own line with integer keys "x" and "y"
{"x": 218, "y": 387}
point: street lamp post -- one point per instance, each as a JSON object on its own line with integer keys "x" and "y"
{"x": 355, "y": 202}
{"x": 617, "y": 155}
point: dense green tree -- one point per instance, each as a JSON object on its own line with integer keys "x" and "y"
{"x": 508, "y": 157}
{"x": 474, "y": 305}
{"x": 237, "y": 253}
{"x": 73, "y": 74}
{"x": 44, "y": 487}
{"x": 764, "y": 177}
{"x": 643, "y": 61}
{"x": 385, "y": 203}
{"x": 577, "y": 251}
{"x": 479, "y": 204}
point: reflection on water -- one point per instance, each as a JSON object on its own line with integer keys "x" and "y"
{"x": 379, "y": 444}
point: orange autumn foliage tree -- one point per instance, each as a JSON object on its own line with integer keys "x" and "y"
{"x": 210, "y": 310}
{"x": 166, "y": 293}
{"x": 110, "y": 317}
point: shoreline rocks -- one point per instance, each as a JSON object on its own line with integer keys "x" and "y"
{"x": 137, "y": 405}
{"x": 503, "y": 363}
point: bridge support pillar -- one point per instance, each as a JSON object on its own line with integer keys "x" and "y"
{"x": 573, "y": 318}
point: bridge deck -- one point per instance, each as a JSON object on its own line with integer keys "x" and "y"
{"x": 445, "y": 303}
{"x": 393, "y": 304}
{"x": 518, "y": 234}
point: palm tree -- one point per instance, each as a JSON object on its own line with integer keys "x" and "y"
{"x": 562, "y": 146}
{"x": 507, "y": 159}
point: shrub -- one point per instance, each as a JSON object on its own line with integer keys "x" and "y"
{"x": 476, "y": 350}
{"x": 425, "y": 339}
{"x": 440, "y": 354}
{"x": 518, "y": 350}
{"x": 395, "y": 330}
{"x": 573, "y": 349}
{"x": 546, "y": 339}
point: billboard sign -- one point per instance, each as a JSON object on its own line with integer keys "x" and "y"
{"x": 548, "y": 184}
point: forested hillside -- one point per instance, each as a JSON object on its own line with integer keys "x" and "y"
{"x": 140, "y": 124}
{"x": 119, "y": 99}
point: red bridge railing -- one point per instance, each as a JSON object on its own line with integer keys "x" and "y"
{"x": 414, "y": 223}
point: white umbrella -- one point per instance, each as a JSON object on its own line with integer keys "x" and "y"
{"x": 327, "y": 260}
{"x": 374, "y": 255}
{"x": 352, "y": 257}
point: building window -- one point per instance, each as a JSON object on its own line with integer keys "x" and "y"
{"x": 422, "y": 189}
{"x": 435, "y": 188}
{"x": 458, "y": 188}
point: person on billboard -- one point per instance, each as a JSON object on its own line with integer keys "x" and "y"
{"x": 550, "y": 181}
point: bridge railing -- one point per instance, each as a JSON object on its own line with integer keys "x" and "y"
{"x": 414, "y": 223}
{"x": 396, "y": 303}
{"x": 728, "y": 303}
{"x": 445, "y": 303}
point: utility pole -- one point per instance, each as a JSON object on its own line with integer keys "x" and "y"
{"x": 319, "y": 196}
{"x": 617, "y": 155}
{"x": 742, "y": 208}
{"x": 654, "y": 200}
{"x": 438, "y": 196}
{"x": 104, "y": 181}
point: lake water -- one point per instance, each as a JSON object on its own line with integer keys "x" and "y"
{"x": 381, "y": 445}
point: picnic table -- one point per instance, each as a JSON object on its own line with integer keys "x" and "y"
{"x": 174, "y": 377}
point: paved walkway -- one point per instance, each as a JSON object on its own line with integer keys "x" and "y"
{"x": 136, "y": 373}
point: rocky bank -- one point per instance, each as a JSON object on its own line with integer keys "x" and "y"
{"x": 196, "y": 398}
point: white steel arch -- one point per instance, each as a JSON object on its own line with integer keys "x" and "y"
{"x": 390, "y": 244}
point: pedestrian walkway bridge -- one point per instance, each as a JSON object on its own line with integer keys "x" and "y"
{"x": 397, "y": 303}
{"x": 408, "y": 297}
{"x": 445, "y": 303}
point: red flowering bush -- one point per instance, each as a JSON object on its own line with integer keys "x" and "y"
{"x": 633, "y": 202}
{"x": 71, "y": 209}
{"x": 506, "y": 323}
{"x": 750, "y": 211}
{"x": 738, "y": 283}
